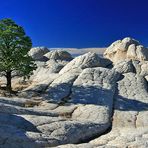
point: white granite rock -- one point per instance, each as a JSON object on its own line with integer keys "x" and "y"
{"x": 40, "y": 81}
{"x": 144, "y": 68}
{"x": 37, "y": 53}
{"x": 130, "y": 122}
{"x": 122, "y": 138}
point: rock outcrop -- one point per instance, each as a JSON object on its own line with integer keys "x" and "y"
{"x": 80, "y": 51}
{"x": 50, "y": 124}
{"x": 130, "y": 122}
{"x": 60, "y": 88}
{"x": 46, "y": 72}
{"x": 84, "y": 102}
{"x": 127, "y": 48}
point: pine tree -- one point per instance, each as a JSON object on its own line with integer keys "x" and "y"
{"x": 14, "y": 47}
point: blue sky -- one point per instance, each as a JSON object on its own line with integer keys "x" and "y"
{"x": 79, "y": 23}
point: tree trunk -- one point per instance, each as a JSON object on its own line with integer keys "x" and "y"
{"x": 8, "y": 77}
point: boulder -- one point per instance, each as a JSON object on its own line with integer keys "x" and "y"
{"x": 46, "y": 72}
{"x": 84, "y": 61}
{"x": 121, "y": 138}
{"x": 129, "y": 120}
{"x": 40, "y": 80}
{"x": 59, "y": 55}
{"x": 95, "y": 86}
{"x": 137, "y": 66}
{"x": 127, "y": 48}
{"x": 66, "y": 72}
{"x": 40, "y": 63}
{"x": 141, "y": 68}
{"x": 37, "y": 53}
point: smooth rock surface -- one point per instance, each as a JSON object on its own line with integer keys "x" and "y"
{"x": 130, "y": 122}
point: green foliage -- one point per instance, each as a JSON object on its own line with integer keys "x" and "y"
{"x": 14, "y": 47}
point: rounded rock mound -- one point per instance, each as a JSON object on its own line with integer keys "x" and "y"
{"x": 87, "y": 60}
{"x": 58, "y": 55}
{"x": 127, "y": 48}
{"x": 37, "y": 53}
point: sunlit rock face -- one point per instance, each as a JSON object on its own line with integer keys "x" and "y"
{"x": 127, "y": 48}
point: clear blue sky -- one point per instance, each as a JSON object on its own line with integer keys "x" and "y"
{"x": 79, "y": 23}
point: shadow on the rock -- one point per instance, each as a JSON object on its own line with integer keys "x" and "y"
{"x": 65, "y": 93}
{"x": 13, "y": 132}
{"x": 99, "y": 96}
{"x": 92, "y": 95}
{"x": 17, "y": 121}
{"x": 127, "y": 104}
{"x": 106, "y": 97}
